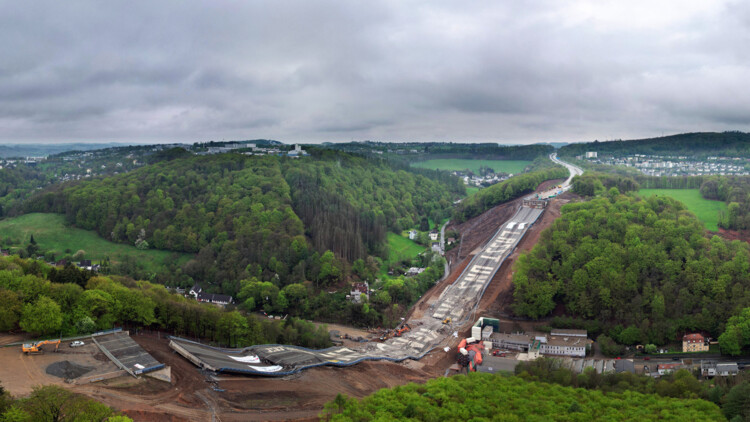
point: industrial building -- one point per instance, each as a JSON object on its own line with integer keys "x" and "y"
{"x": 559, "y": 343}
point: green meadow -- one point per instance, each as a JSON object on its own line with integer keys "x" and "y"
{"x": 400, "y": 247}
{"x": 506, "y": 166}
{"x": 52, "y": 234}
{"x": 705, "y": 209}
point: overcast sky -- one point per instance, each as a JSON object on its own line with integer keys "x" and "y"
{"x": 315, "y": 71}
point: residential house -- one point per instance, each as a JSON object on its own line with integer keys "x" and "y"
{"x": 667, "y": 368}
{"x": 414, "y": 271}
{"x": 434, "y": 235}
{"x": 721, "y": 369}
{"x": 694, "y": 343}
{"x": 359, "y": 289}
{"x": 436, "y": 247}
{"x": 216, "y": 299}
{"x": 86, "y": 265}
{"x": 412, "y": 234}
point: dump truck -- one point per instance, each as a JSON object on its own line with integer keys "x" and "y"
{"x": 35, "y": 348}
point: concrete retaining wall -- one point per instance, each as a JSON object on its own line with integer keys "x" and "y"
{"x": 164, "y": 374}
{"x": 98, "y": 377}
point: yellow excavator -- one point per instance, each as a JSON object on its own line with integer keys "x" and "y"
{"x": 37, "y": 347}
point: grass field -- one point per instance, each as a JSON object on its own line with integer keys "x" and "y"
{"x": 51, "y": 234}
{"x": 506, "y": 166}
{"x": 471, "y": 190}
{"x": 705, "y": 209}
{"x": 400, "y": 247}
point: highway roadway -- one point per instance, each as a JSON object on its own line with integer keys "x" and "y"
{"x": 573, "y": 170}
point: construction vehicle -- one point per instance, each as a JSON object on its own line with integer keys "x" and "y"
{"x": 447, "y": 320}
{"x": 404, "y": 328}
{"x": 36, "y": 348}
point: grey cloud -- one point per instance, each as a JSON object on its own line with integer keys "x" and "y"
{"x": 337, "y": 71}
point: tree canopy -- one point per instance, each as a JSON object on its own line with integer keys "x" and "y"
{"x": 642, "y": 267}
{"x": 481, "y": 396}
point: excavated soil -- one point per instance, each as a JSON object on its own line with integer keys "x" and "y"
{"x": 68, "y": 370}
{"x": 743, "y": 235}
{"x": 498, "y": 297}
{"x": 196, "y": 396}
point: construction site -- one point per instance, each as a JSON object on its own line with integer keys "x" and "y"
{"x": 150, "y": 376}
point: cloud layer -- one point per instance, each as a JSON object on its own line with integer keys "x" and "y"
{"x": 314, "y": 71}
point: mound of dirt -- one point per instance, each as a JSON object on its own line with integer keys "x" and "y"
{"x": 67, "y": 369}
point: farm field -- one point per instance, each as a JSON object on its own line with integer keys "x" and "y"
{"x": 51, "y": 234}
{"x": 705, "y": 209}
{"x": 506, "y": 166}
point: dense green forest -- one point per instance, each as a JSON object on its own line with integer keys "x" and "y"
{"x": 347, "y": 203}
{"x": 517, "y": 186}
{"x": 54, "y": 403}
{"x": 695, "y": 145}
{"x": 480, "y": 396}
{"x": 641, "y": 267}
{"x": 730, "y": 393}
{"x": 249, "y": 216}
{"x": 46, "y": 301}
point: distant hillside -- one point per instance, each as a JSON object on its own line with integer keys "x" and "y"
{"x": 39, "y": 150}
{"x": 430, "y": 150}
{"x": 699, "y": 145}
{"x": 252, "y": 216}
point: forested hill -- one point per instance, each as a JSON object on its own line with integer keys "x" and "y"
{"x": 642, "y": 268}
{"x": 248, "y": 215}
{"x": 347, "y": 203}
{"x": 699, "y": 145}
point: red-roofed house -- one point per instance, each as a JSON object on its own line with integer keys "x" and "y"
{"x": 694, "y": 343}
{"x": 667, "y": 368}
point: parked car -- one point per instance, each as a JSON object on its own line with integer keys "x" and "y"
{"x": 646, "y": 358}
{"x": 77, "y": 343}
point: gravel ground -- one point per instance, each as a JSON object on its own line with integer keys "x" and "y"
{"x": 67, "y": 370}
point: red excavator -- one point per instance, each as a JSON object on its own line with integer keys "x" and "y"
{"x": 404, "y": 328}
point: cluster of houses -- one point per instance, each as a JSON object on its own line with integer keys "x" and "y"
{"x": 487, "y": 180}
{"x": 655, "y": 165}
{"x": 708, "y": 368}
{"x": 296, "y": 152}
